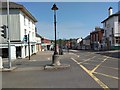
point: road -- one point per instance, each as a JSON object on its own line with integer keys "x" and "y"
{"x": 88, "y": 70}
{"x": 102, "y": 67}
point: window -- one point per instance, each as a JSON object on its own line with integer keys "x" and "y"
{"x": 32, "y": 34}
{"x": 96, "y": 37}
{"x": 105, "y": 24}
{"x": 112, "y": 32}
{"x": 117, "y": 40}
{"x": 24, "y": 20}
{"x": 25, "y": 32}
{"x": 29, "y": 23}
{"x": 105, "y": 32}
{"x": 32, "y": 25}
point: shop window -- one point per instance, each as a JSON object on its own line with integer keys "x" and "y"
{"x": 117, "y": 40}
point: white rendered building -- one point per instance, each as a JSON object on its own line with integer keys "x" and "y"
{"x": 111, "y": 26}
{"x": 21, "y": 23}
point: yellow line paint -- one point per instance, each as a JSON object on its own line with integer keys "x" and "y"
{"x": 107, "y": 75}
{"x": 105, "y": 87}
{"x": 99, "y": 65}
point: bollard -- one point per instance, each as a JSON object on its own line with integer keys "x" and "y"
{"x": 1, "y": 66}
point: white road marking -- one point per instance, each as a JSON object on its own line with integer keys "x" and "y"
{"x": 87, "y": 60}
{"x": 105, "y": 87}
{"x": 102, "y": 66}
{"x": 107, "y": 75}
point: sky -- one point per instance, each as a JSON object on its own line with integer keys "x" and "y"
{"x": 74, "y": 19}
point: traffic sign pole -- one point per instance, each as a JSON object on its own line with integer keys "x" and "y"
{"x": 9, "y": 45}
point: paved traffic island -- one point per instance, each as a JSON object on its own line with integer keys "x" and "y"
{"x": 56, "y": 63}
{"x": 8, "y": 69}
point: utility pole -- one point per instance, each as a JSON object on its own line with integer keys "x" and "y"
{"x": 29, "y": 45}
{"x": 9, "y": 45}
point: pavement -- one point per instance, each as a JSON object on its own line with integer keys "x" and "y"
{"x": 36, "y": 62}
{"x": 111, "y": 53}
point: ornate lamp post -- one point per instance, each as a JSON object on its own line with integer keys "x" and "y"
{"x": 55, "y": 58}
{"x": 55, "y": 8}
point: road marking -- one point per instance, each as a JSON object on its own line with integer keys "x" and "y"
{"x": 74, "y": 60}
{"x": 107, "y": 75}
{"x": 105, "y": 87}
{"x": 96, "y": 79}
{"x": 102, "y": 66}
{"x": 99, "y": 65}
{"x": 87, "y": 60}
{"x": 76, "y": 55}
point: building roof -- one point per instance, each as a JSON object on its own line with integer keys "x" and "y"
{"x": 86, "y": 38}
{"x": 97, "y": 30}
{"x": 13, "y": 5}
{"x": 116, "y": 14}
{"x": 37, "y": 35}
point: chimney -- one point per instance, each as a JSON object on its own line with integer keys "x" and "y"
{"x": 97, "y": 28}
{"x": 110, "y": 11}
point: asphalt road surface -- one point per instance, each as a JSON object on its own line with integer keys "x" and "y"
{"x": 87, "y": 70}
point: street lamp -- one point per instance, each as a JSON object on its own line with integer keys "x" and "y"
{"x": 55, "y": 8}
{"x": 55, "y": 58}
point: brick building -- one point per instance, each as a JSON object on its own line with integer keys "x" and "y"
{"x": 96, "y": 38}
{"x": 46, "y": 43}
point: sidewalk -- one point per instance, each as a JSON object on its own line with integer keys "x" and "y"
{"x": 36, "y": 62}
{"x": 111, "y": 53}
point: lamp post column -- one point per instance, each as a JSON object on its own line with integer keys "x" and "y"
{"x": 55, "y": 60}
{"x": 55, "y": 52}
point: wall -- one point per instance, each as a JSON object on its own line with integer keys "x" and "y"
{"x": 13, "y": 52}
{"x": 14, "y": 24}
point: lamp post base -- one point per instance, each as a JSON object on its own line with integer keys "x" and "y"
{"x": 56, "y": 63}
{"x": 55, "y": 60}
